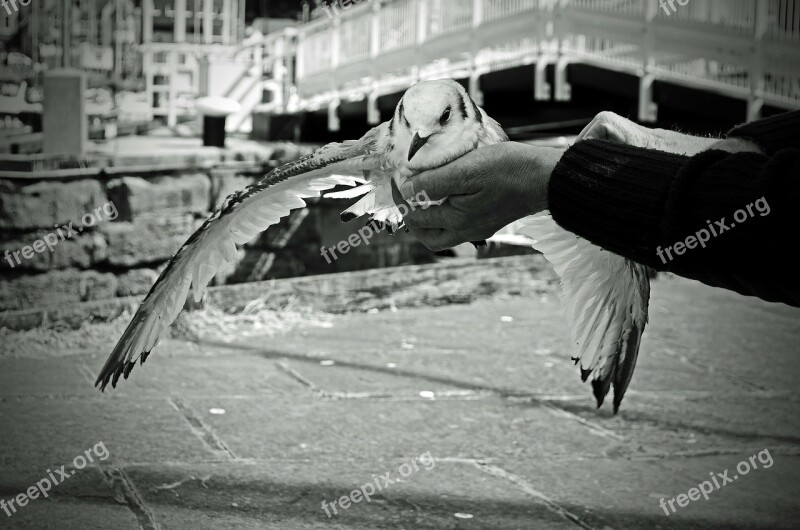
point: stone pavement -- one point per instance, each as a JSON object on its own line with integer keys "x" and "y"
{"x": 486, "y": 388}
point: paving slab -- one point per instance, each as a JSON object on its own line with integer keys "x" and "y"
{"x": 256, "y": 434}
{"x": 625, "y": 494}
{"x": 741, "y": 341}
{"x": 290, "y": 495}
{"x": 343, "y": 378}
{"x": 83, "y": 500}
{"x": 205, "y": 371}
{"x": 522, "y": 346}
{"x": 43, "y": 433}
{"x": 313, "y": 429}
{"x": 39, "y": 378}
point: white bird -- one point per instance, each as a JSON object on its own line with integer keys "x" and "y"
{"x": 434, "y": 123}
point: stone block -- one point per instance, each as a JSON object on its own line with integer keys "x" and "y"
{"x": 136, "y": 197}
{"x": 147, "y": 240}
{"x": 136, "y": 282}
{"x": 225, "y": 181}
{"x": 55, "y": 288}
{"x": 45, "y": 204}
{"x": 81, "y": 252}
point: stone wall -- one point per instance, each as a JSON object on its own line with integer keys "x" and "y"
{"x": 111, "y": 232}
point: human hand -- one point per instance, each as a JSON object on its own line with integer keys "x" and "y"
{"x": 486, "y": 190}
{"x": 614, "y": 128}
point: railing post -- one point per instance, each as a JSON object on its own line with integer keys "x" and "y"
{"x": 373, "y": 112}
{"x": 474, "y": 85}
{"x": 179, "y": 28}
{"x": 375, "y": 30}
{"x": 563, "y": 90}
{"x": 300, "y": 56}
{"x": 541, "y": 88}
{"x": 147, "y": 21}
{"x": 172, "y": 110}
{"x": 648, "y": 110}
{"x": 335, "y": 42}
{"x": 755, "y": 70}
{"x": 208, "y": 21}
{"x": 333, "y": 115}
{"x": 477, "y": 13}
{"x": 226, "y": 22}
{"x": 422, "y": 21}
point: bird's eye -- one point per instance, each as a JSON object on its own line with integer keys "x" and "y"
{"x": 445, "y": 116}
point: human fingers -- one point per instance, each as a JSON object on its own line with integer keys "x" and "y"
{"x": 437, "y": 239}
{"x": 441, "y": 216}
{"x": 453, "y": 178}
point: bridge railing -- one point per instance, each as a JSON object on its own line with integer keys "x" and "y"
{"x": 747, "y": 48}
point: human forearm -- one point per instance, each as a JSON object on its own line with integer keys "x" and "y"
{"x": 678, "y": 143}
{"x": 771, "y": 134}
{"x": 633, "y": 201}
{"x": 614, "y": 128}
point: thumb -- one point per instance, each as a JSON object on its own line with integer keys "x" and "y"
{"x": 436, "y": 184}
{"x": 608, "y": 132}
{"x": 432, "y": 183}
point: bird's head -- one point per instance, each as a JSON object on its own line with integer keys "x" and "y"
{"x": 438, "y": 121}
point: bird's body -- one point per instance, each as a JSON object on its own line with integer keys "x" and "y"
{"x": 434, "y": 123}
{"x": 467, "y": 128}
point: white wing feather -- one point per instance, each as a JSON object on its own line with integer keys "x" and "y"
{"x": 605, "y": 297}
{"x": 244, "y": 215}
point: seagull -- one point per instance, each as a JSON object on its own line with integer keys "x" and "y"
{"x": 435, "y": 122}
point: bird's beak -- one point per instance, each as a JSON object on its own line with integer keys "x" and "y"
{"x": 416, "y": 144}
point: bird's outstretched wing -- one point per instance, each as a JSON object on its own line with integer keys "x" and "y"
{"x": 244, "y": 215}
{"x": 606, "y": 299}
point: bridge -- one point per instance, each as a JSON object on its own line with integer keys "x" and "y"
{"x": 744, "y": 49}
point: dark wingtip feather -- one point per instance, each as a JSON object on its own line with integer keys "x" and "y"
{"x": 584, "y": 372}
{"x": 347, "y": 216}
{"x": 128, "y": 368}
{"x": 625, "y": 371}
{"x": 117, "y": 374}
{"x": 478, "y": 244}
{"x": 600, "y": 389}
{"x": 104, "y": 378}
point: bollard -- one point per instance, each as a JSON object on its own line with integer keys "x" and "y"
{"x": 64, "y": 121}
{"x": 215, "y": 111}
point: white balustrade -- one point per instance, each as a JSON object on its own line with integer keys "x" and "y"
{"x": 733, "y": 46}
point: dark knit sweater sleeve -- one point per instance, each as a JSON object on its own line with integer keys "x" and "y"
{"x": 639, "y": 202}
{"x": 772, "y": 134}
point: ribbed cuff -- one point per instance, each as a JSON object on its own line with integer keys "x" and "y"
{"x": 772, "y": 134}
{"x": 615, "y": 196}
